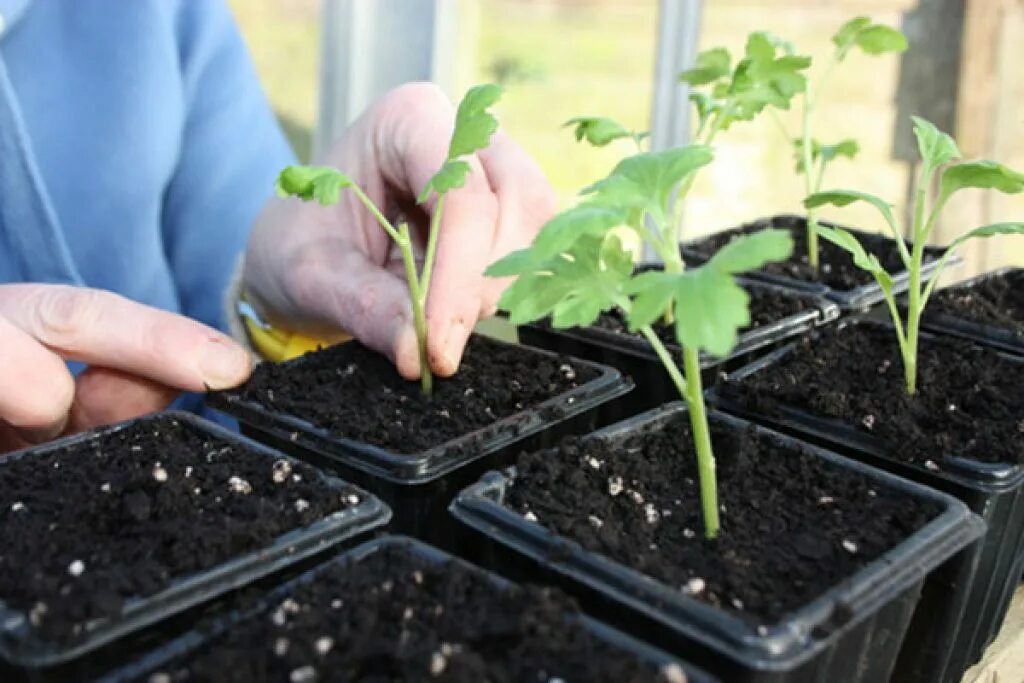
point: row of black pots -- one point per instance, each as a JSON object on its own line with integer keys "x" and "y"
{"x": 421, "y": 486}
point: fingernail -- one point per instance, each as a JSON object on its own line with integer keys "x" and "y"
{"x": 224, "y": 364}
{"x": 454, "y": 345}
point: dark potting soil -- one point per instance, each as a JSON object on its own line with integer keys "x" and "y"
{"x": 394, "y": 617}
{"x": 969, "y": 401}
{"x": 836, "y": 267}
{"x": 354, "y": 392}
{"x": 767, "y": 306}
{"x": 793, "y": 525}
{"x": 997, "y": 301}
{"x": 87, "y": 527}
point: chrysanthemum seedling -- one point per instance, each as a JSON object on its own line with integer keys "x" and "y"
{"x": 577, "y": 269}
{"x": 812, "y": 155}
{"x": 938, "y": 150}
{"x": 474, "y": 126}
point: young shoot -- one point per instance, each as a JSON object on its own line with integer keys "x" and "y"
{"x": 812, "y": 155}
{"x": 768, "y": 76}
{"x": 577, "y": 268}
{"x": 939, "y": 155}
{"x": 474, "y": 126}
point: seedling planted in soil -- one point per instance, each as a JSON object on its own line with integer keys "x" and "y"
{"x": 577, "y": 268}
{"x": 938, "y": 150}
{"x": 474, "y": 126}
{"x": 812, "y": 155}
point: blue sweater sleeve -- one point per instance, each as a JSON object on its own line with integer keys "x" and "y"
{"x": 231, "y": 150}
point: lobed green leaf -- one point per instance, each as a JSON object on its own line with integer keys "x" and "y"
{"x": 647, "y": 180}
{"x": 861, "y": 258}
{"x": 936, "y": 147}
{"x": 988, "y": 231}
{"x": 711, "y": 65}
{"x": 842, "y": 198}
{"x": 452, "y": 175}
{"x": 584, "y": 220}
{"x": 848, "y": 148}
{"x": 597, "y": 130}
{"x": 751, "y": 251}
{"x": 710, "y": 309}
{"x": 319, "y": 183}
{"x": 985, "y": 175}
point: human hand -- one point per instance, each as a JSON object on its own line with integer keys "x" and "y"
{"x": 140, "y": 358}
{"x": 316, "y": 270}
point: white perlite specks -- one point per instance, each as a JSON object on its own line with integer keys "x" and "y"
{"x": 694, "y": 586}
{"x": 615, "y": 486}
{"x": 673, "y": 673}
{"x": 17, "y": 507}
{"x": 301, "y": 505}
{"x": 849, "y": 546}
{"x": 160, "y": 677}
{"x": 304, "y": 674}
{"x": 438, "y": 662}
{"x": 529, "y": 516}
{"x": 240, "y": 486}
{"x": 280, "y": 471}
{"x": 595, "y": 522}
{"x": 76, "y": 568}
{"x": 323, "y": 645}
{"x": 159, "y": 473}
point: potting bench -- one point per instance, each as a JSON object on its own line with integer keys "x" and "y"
{"x": 1004, "y": 661}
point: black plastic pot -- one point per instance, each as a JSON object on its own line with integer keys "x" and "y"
{"x": 1011, "y": 341}
{"x": 635, "y": 357}
{"x": 419, "y": 486}
{"x": 851, "y": 633}
{"x": 965, "y": 601}
{"x": 188, "y": 643}
{"x": 20, "y": 646}
{"x": 857, "y": 299}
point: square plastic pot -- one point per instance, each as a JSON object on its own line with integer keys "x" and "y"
{"x": 851, "y": 300}
{"x": 999, "y": 338}
{"x": 851, "y": 633}
{"x": 190, "y": 642}
{"x": 965, "y": 601}
{"x": 20, "y": 646}
{"x": 419, "y": 486}
{"x": 634, "y": 356}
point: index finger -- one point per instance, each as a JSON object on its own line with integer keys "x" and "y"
{"x": 411, "y": 149}
{"x": 101, "y": 328}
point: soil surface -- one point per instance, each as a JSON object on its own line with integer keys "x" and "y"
{"x": 793, "y": 525}
{"x": 969, "y": 403}
{"x": 767, "y": 306}
{"x": 837, "y": 269}
{"x": 87, "y": 527}
{"x": 996, "y": 301}
{"x": 354, "y": 392}
{"x": 396, "y": 617}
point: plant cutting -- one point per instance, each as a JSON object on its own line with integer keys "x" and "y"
{"x": 812, "y": 155}
{"x": 474, "y": 126}
{"x": 939, "y": 156}
{"x": 577, "y": 268}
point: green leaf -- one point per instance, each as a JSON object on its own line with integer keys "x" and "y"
{"x": 474, "y": 126}
{"x": 985, "y": 175}
{"x": 652, "y": 295}
{"x": 711, "y": 65}
{"x": 861, "y": 258}
{"x": 583, "y": 220}
{"x": 842, "y": 198}
{"x": 706, "y": 107}
{"x": 319, "y": 183}
{"x": 574, "y": 288}
{"x": 450, "y": 176}
{"x": 878, "y": 39}
{"x": 515, "y": 263}
{"x": 848, "y": 148}
{"x": 988, "y": 231}
{"x": 647, "y": 180}
{"x": 936, "y": 147}
{"x": 874, "y": 39}
{"x": 763, "y": 79}
{"x": 710, "y": 308}
{"x": 474, "y": 123}
{"x": 751, "y": 251}
{"x": 598, "y": 131}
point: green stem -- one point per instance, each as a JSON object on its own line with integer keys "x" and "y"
{"x": 914, "y": 299}
{"x": 372, "y": 208}
{"x": 418, "y": 297}
{"x": 807, "y": 149}
{"x": 692, "y": 391}
{"x": 431, "y": 252}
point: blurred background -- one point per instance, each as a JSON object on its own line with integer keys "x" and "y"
{"x": 321, "y": 61}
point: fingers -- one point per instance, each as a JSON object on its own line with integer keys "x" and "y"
{"x": 411, "y": 148}
{"x": 104, "y": 329}
{"x": 526, "y": 201}
{"x": 37, "y": 389}
{"x": 104, "y": 396}
{"x": 368, "y": 301}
